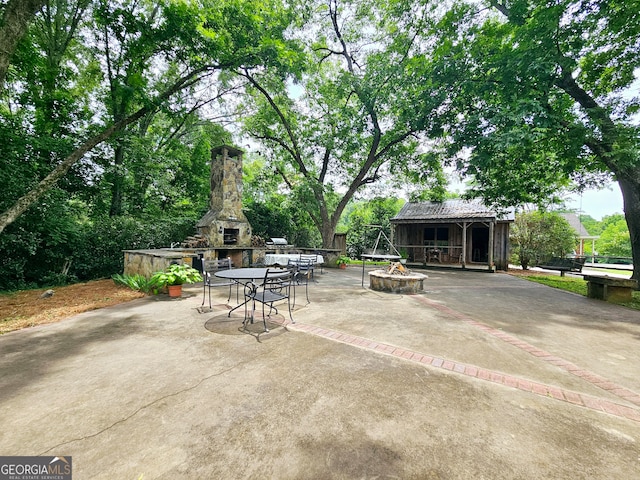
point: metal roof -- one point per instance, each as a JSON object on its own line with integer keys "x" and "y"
{"x": 577, "y": 226}
{"x": 449, "y": 210}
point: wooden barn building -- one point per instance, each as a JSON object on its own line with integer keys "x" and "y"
{"x": 454, "y": 233}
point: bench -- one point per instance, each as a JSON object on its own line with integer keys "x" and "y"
{"x": 564, "y": 264}
{"x": 608, "y": 288}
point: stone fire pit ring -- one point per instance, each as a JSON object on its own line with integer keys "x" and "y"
{"x": 381, "y": 281}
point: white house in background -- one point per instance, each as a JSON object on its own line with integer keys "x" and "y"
{"x": 582, "y": 233}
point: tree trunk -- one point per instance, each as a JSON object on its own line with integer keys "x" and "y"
{"x": 117, "y": 184}
{"x": 15, "y": 22}
{"x": 328, "y": 232}
{"x": 631, "y": 197}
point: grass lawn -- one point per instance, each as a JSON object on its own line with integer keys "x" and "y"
{"x": 576, "y": 285}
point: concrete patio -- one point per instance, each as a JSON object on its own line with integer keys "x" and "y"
{"x": 480, "y": 376}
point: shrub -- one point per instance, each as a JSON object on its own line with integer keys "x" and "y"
{"x": 538, "y": 236}
{"x": 58, "y": 247}
{"x": 106, "y": 239}
{"x": 136, "y": 282}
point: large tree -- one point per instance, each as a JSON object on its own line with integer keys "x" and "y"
{"x": 543, "y": 98}
{"x": 354, "y": 116}
{"x": 168, "y": 47}
{"x": 16, "y": 16}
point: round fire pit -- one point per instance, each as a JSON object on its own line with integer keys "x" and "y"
{"x": 382, "y": 281}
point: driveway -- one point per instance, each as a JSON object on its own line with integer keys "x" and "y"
{"x": 480, "y": 376}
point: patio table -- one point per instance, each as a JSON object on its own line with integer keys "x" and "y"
{"x": 246, "y": 275}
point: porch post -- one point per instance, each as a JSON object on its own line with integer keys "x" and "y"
{"x": 464, "y": 244}
{"x": 491, "y": 242}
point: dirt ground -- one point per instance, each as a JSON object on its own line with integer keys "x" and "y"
{"x": 26, "y": 308}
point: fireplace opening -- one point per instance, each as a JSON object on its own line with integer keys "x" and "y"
{"x": 230, "y": 236}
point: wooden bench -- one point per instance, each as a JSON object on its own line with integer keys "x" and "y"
{"x": 563, "y": 264}
{"x": 608, "y": 288}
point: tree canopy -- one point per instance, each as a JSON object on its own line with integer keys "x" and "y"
{"x": 109, "y": 109}
{"x": 614, "y": 238}
{"x": 353, "y": 115}
{"x": 544, "y": 98}
{"x": 143, "y": 57}
{"x": 102, "y": 117}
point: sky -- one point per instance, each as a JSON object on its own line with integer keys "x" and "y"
{"x": 598, "y": 203}
{"x": 593, "y": 202}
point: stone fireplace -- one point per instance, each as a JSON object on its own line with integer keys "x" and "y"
{"x": 223, "y": 232}
{"x": 225, "y": 225}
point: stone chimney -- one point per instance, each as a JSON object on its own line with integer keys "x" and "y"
{"x": 224, "y": 225}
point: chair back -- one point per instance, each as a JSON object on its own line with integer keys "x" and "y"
{"x": 310, "y": 258}
{"x": 278, "y": 280}
{"x": 305, "y": 266}
{"x": 275, "y": 287}
{"x": 212, "y": 266}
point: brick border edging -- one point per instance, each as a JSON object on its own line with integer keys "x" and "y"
{"x": 556, "y": 393}
{"x": 594, "y": 379}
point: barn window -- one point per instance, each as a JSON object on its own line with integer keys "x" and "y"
{"x": 436, "y": 236}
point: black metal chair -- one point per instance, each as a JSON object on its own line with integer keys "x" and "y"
{"x": 209, "y": 268}
{"x": 308, "y": 264}
{"x": 317, "y": 262}
{"x": 275, "y": 287}
{"x": 301, "y": 274}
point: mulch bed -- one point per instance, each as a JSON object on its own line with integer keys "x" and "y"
{"x": 26, "y": 308}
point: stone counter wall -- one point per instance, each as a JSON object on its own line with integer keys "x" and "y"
{"x": 147, "y": 262}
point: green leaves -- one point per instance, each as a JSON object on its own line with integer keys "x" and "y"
{"x": 135, "y": 282}
{"x": 537, "y": 236}
{"x": 614, "y": 239}
{"x": 367, "y": 97}
{"x": 176, "y": 274}
{"x": 534, "y": 106}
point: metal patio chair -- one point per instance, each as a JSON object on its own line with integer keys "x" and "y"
{"x": 209, "y": 269}
{"x": 275, "y": 287}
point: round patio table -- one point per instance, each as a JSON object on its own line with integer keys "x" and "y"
{"x": 246, "y": 275}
